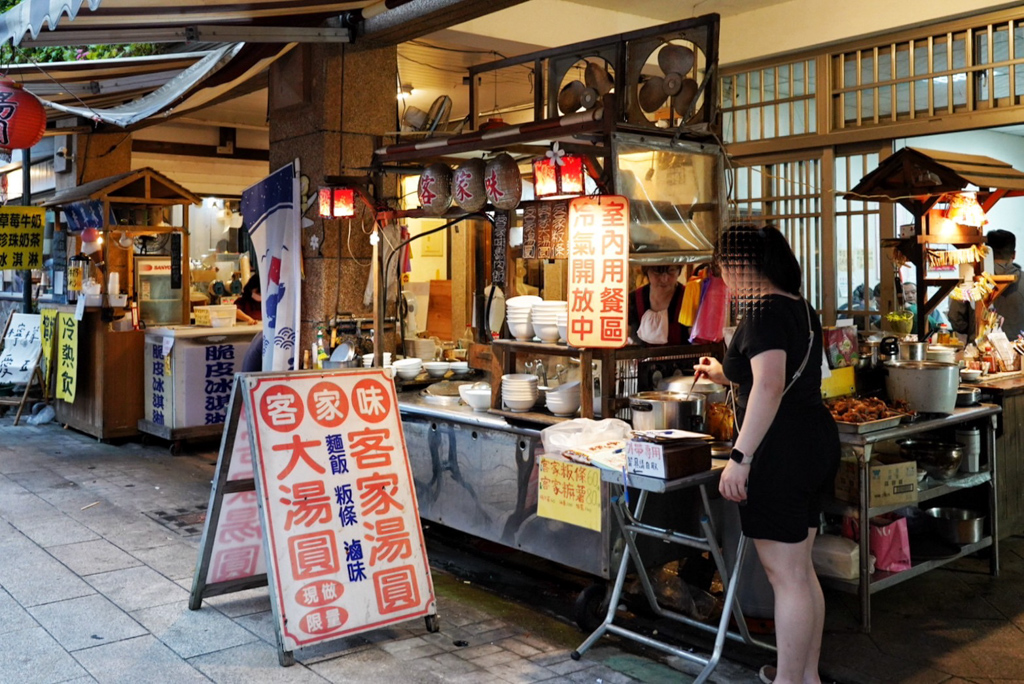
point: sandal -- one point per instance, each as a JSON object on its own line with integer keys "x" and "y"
{"x": 767, "y": 674}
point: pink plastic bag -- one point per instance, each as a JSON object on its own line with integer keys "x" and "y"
{"x": 711, "y": 315}
{"x": 889, "y": 541}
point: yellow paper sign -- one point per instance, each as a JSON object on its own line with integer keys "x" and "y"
{"x": 48, "y": 327}
{"x": 21, "y": 237}
{"x": 67, "y": 356}
{"x": 569, "y": 492}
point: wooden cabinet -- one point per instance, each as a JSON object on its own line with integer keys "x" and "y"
{"x": 108, "y": 399}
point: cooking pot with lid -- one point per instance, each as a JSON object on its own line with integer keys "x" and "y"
{"x": 925, "y": 386}
{"x": 667, "y": 411}
{"x": 713, "y": 392}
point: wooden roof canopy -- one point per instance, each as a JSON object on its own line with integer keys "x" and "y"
{"x": 917, "y": 179}
{"x": 142, "y": 186}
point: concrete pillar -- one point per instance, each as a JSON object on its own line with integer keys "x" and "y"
{"x": 326, "y": 104}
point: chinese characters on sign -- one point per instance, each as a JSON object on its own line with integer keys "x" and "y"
{"x": 598, "y": 272}
{"x": 346, "y": 545}
{"x": 67, "y": 356}
{"x": 530, "y": 230}
{"x": 499, "y": 248}
{"x": 21, "y": 237}
{"x": 21, "y": 349}
{"x": 569, "y": 492}
{"x": 48, "y": 329}
{"x": 219, "y": 374}
{"x": 159, "y": 391}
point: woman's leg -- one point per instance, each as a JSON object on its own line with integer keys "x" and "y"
{"x": 799, "y": 608}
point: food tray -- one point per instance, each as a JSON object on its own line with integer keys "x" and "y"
{"x": 871, "y": 425}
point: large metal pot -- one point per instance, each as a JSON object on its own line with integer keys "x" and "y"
{"x": 957, "y": 525}
{"x": 667, "y": 411}
{"x": 925, "y": 386}
{"x": 713, "y": 392}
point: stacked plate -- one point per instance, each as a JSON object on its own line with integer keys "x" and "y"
{"x": 518, "y": 311}
{"x": 545, "y": 316}
{"x": 564, "y": 400}
{"x": 519, "y": 391}
{"x": 408, "y": 369}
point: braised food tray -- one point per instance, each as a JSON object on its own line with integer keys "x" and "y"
{"x": 870, "y": 425}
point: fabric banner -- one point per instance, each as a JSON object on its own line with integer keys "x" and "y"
{"x": 21, "y": 349}
{"x": 21, "y": 237}
{"x": 273, "y": 218}
{"x": 67, "y": 358}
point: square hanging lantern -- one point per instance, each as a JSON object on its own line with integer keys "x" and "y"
{"x": 558, "y": 176}
{"x": 964, "y": 210}
{"x": 337, "y": 202}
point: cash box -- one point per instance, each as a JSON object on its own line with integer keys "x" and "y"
{"x": 669, "y": 460}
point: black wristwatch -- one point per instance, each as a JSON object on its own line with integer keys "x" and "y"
{"x": 739, "y": 457}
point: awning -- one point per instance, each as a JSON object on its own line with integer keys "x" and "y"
{"x": 92, "y": 22}
{"x": 126, "y": 91}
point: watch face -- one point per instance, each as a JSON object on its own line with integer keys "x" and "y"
{"x": 736, "y": 455}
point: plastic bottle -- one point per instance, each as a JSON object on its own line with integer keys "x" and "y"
{"x": 467, "y": 338}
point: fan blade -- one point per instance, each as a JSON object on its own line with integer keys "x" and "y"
{"x": 570, "y": 96}
{"x": 675, "y": 59}
{"x": 673, "y": 83}
{"x": 684, "y": 99}
{"x": 414, "y": 118}
{"x": 597, "y": 78}
{"x": 652, "y": 94}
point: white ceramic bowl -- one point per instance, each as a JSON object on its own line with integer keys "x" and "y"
{"x": 460, "y": 367}
{"x": 519, "y": 405}
{"x": 436, "y": 369}
{"x": 519, "y": 377}
{"x": 547, "y": 332}
{"x": 521, "y": 331}
{"x": 563, "y": 330}
{"x": 970, "y": 375}
{"x": 523, "y": 300}
{"x": 412, "y": 362}
{"x": 478, "y": 398}
{"x": 407, "y": 374}
{"x": 562, "y": 406}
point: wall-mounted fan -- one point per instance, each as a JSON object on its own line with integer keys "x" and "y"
{"x": 681, "y": 80}
{"x": 586, "y": 94}
{"x": 416, "y": 120}
{"x": 675, "y": 62}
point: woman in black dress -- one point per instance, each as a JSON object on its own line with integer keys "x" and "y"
{"x": 787, "y": 449}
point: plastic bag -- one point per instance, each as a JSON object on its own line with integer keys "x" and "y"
{"x": 580, "y": 433}
{"x": 889, "y": 541}
{"x": 691, "y": 299}
{"x": 712, "y": 313}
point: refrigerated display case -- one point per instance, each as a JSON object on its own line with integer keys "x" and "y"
{"x": 159, "y": 304}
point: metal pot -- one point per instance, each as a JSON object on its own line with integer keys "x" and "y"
{"x": 939, "y": 459}
{"x": 968, "y": 396}
{"x": 667, "y": 411}
{"x": 925, "y": 386}
{"x": 913, "y": 351}
{"x": 957, "y": 525}
{"x": 712, "y": 392}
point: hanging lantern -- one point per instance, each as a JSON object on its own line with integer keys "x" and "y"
{"x": 503, "y": 183}
{"x": 435, "y": 189}
{"x": 468, "y": 185}
{"x": 964, "y": 210}
{"x": 337, "y": 202}
{"x": 22, "y": 119}
{"x": 557, "y": 175}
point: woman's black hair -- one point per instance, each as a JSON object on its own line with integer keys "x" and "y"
{"x": 766, "y": 250}
{"x": 253, "y": 285}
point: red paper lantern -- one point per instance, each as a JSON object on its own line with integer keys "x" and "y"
{"x": 468, "y": 185}
{"x": 558, "y": 176}
{"x": 90, "y": 235}
{"x": 22, "y": 119}
{"x": 337, "y": 202}
{"x": 503, "y": 182}
{"x": 435, "y": 189}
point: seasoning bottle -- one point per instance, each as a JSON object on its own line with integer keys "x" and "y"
{"x": 944, "y": 333}
{"x": 467, "y": 337}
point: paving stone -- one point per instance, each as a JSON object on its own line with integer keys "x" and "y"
{"x": 31, "y": 656}
{"x": 137, "y": 588}
{"x": 562, "y": 663}
{"x": 260, "y": 624}
{"x": 239, "y": 603}
{"x": 478, "y": 651}
{"x": 32, "y": 577}
{"x": 521, "y": 671}
{"x": 174, "y": 561}
{"x": 493, "y": 659}
{"x": 518, "y": 647}
{"x": 93, "y": 557}
{"x": 371, "y": 665}
{"x": 56, "y": 530}
{"x": 600, "y": 673}
{"x": 86, "y": 622}
{"x": 449, "y": 664}
{"x": 252, "y": 662}
{"x": 12, "y": 616}
{"x": 191, "y": 633}
{"x": 39, "y": 480}
{"x": 142, "y": 660}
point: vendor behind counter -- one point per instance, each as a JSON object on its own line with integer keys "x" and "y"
{"x": 654, "y": 308}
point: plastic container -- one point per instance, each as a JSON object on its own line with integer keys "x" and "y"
{"x": 216, "y": 316}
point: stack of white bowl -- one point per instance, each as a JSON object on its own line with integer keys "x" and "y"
{"x": 562, "y": 320}
{"x": 564, "y": 400}
{"x": 519, "y": 391}
{"x": 460, "y": 368}
{"x": 368, "y": 360}
{"x": 544, "y": 317}
{"x": 518, "y": 311}
{"x": 408, "y": 369}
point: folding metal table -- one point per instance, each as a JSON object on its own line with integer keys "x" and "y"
{"x": 630, "y": 525}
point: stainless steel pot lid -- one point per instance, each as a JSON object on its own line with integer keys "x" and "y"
{"x": 665, "y": 396}
{"x": 921, "y": 365}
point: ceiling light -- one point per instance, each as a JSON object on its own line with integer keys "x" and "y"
{"x": 404, "y": 91}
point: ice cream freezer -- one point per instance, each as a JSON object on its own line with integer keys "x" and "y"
{"x": 188, "y": 374}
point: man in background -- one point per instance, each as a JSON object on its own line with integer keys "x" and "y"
{"x": 1010, "y": 304}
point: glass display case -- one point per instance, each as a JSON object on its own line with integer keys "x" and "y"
{"x": 158, "y": 303}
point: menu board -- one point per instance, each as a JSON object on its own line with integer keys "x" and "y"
{"x": 346, "y": 551}
{"x": 21, "y": 237}
{"x": 598, "y": 272}
{"x": 21, "y": 349}
{"x": 67, "y": 356}
{"x": 530, "y": 230}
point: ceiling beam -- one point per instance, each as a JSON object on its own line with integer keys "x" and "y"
{"x": 114, "y": 35}
{"x": 420, "y": 18}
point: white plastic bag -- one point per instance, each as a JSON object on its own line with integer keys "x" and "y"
{"x": 580, "y": 433}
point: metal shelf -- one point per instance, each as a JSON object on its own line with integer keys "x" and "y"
{"x": 923, "y": 494}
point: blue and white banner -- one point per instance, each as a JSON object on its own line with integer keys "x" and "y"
{"x": 272, "y": 215}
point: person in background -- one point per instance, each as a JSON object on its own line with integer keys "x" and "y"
{"x": 786, "y": 453}
{"x": 654, "y": 308}
{"x": 935, "y": 318}
{"x": 857, "y": 303}
{"x": 250, "y": 307}
{"x": 1009, "y": 304}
